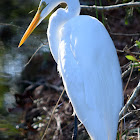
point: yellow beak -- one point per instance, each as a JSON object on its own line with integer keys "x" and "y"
{"x": 31, "y": 27}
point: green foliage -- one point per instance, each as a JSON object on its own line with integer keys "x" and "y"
{"x": 137, "y": 44}
{"x": 131, "y": 58}
{"x": 7, "y": 129}
{"x": 3, "y": 90}
{"x": 96, "y": 9}
{"x": 129, "y": 15}
{"x": 100, "y": 1}
{"x": 118, "y": 136}
{"x": 124, "y": 1}
{"x": 102, "y": 13}
{"x": 11, "y": 9}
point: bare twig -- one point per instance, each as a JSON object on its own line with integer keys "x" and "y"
{"x": 52, "y": 115}
{"x": 135, "y": 53}
{"x": 130, "y": 66}
{"x": 126, "y": 65}
{"x": 127, "y": 51}
{"x": 112, "y": 7}
{"x": 132, "y": 112}
{"x": 125, "y": 73}
{"x": 128, "y": 79}
{"x": 34, "y": 55}
{"x": 135, "y": 93}
{"x": 124, "y": 34}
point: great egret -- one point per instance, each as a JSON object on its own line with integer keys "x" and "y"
{"x": 88, "y": 63}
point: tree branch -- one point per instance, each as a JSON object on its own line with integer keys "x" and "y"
{"x": 112, "y": 7}
{"x": 136, "y": 92}
{"x": 124, "y": 34}
{"x": 132, "y": 112}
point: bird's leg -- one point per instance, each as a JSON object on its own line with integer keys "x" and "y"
{"x": 75, "y": 128}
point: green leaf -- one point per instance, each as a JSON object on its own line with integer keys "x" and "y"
{"x": 132, "y": 58}
{"x": 137, "y": 43}
{"x": 126, "y": 21}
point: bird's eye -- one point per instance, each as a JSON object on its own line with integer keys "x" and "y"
{"x": 42, "y": 6}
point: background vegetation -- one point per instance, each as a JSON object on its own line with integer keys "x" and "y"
{"x": 29, "y": 93}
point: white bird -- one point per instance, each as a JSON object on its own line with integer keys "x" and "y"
{"x": 88, "y": 63}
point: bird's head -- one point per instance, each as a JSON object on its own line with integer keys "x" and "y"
{"x": 45, "y": 7}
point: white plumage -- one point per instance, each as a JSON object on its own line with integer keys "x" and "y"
{"x": 89, "y": 66}
{"x": 91, "y": 75}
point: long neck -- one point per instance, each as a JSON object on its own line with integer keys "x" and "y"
{"x": 57, "y": 20}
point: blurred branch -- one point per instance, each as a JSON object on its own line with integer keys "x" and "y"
{"x": 6, "y": 76}
{"x": 59, "y": 89}
{"x": 41, "y": 82}
{"x": 112, "y": 7}
{"x": 135, "y": 93}
{"x": 124, "y": 34}
{"x": 7, "y": 24}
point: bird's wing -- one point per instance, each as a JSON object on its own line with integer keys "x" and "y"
{"x": 91, "y": 55}
{"x": 90, "y": 70}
